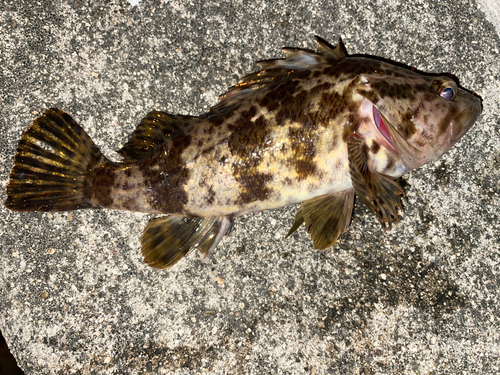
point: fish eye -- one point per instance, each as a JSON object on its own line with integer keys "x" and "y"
{"x": 447, "y": 93}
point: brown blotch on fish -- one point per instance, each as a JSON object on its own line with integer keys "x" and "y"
{"x": 301, "y": 74}
{"x": 394, "y": 90}
{"x": 167, "y": 177}
{"x": 245, "y": 140}
{"x": 338, "y": 165}
{"x": 390, "y": 164}
{"x": 211, "y": 195}
{"x": 420, "y": 87}
{"x": 331, "y": 105}
{"x": 372, "y": 96}
{"x": 317, "y": 73}
{"x": 375, "y": 147}
{"x": 400, "y": 74}
{"x": 215, "y": 121}
{"x": 408, "y": 127}
{"x": 360, "y": 66}
{"x": 271, "y": 100}
{"x": 101, "y": 184}
{"x": 305, "y": 168}
{"x": 254, "y": 187}
{"x": 302, "y": 142}
{"x": 250, "y": 113}
{"x": 246, "y": 137}
{"x": 334, "y": 142}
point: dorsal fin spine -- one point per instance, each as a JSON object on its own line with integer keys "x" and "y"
{"x": 328, "y": 52}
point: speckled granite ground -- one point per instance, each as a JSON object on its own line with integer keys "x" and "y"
{"x": 75, "y": 297}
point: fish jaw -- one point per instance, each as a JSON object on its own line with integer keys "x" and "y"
{"x": 462, "y": 122}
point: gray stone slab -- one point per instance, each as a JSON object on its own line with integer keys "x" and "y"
{"x": 75, "y": 297}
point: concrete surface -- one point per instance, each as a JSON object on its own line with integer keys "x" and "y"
{"x": 75, "y": 297}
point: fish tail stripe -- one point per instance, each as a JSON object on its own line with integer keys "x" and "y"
{"x": 38, "y": 152}
{"x": 51, "y": 166}
{"x": 40, "y": 165}
{"x": 20, "y": 182}
{"x": 50, "y": 140}
{"x": 46, "y": 192}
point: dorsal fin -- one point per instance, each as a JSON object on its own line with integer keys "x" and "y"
{"x": 328, "y": 52}
{"x": 153, "y": 130}
{"x": 273, "y": 72}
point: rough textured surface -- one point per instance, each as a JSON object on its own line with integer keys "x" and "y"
{"x": 75, "y": 296}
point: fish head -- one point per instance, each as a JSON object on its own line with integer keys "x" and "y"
{"x": 420, "y": 117}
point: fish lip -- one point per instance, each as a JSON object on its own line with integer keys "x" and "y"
{"x": 456, "y": 134}
{"x": 381, "y": 124}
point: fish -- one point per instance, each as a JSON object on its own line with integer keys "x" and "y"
{"x": 316, "y": 128}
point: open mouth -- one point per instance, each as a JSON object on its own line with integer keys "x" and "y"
{"x": 382, "y": 128}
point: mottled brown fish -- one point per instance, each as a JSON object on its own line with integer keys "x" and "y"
{"x": 315, "y": 128}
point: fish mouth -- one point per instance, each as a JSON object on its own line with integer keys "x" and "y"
{"x": 378, "y": 119}
{"x": 462, "y": 122}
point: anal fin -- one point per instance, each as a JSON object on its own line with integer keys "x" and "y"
{"x": 326, "y": 217}
{"x": 167, "y": 239}
{"x": 380, "y": 193}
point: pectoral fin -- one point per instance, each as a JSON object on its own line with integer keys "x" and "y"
{"x": 380, "y": 193}
{"x": 326, "y": 217}
{"x": 167, "y": 239}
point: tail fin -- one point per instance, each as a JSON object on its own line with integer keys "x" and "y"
{"x": 50, "y": 166}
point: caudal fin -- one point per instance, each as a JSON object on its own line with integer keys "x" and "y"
{"x": 51, "y": 164}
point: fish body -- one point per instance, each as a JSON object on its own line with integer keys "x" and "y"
{"x": 315, "y": 128}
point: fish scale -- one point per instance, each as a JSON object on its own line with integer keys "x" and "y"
{"x": 316, "y": 128}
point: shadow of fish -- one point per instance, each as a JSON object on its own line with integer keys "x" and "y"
{"x": 315, "y": 128}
